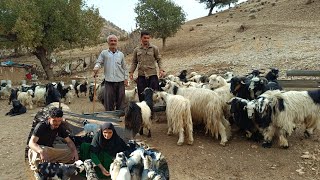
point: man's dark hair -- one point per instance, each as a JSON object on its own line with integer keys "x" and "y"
{"x": 55, "y": 112}
{"x": 144, "y": 33}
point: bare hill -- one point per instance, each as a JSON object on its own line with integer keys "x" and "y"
{"x": 255, "y": 34}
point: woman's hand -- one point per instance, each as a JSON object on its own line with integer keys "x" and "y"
{"x": 103, "y": 170}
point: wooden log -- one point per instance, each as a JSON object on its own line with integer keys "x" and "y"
{"x": 299, "y": 83}
{"x": 303, "y": 73}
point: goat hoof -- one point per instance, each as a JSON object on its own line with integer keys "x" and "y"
{"x": 190, "y": 142}
{"x": 267, "y": 144}
{"x": 223, "y": 143}
{"x": 149, "y": 136}
{"x": 179, "y": 143}
{"x": 285, "y": 147}
{"x": 306, "y": 134}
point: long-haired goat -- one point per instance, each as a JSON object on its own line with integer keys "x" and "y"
{"x": 178, "y": 116}
{"x": 138, "y": 115}
{"x": 286, "y": 110}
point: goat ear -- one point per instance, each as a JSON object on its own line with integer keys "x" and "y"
{"x": 245, "y": 107}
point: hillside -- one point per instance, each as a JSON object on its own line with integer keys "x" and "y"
{"x": 255, "y": 34}
{"x": 110, "y": 28}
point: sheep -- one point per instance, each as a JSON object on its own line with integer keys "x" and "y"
{"x": 90, "y": 171}
{"x": 178, "y": 116}
{"x": 119, "y": 169}
{"x": 39, "y": 95}
{"x": 284, "y": 110}
{"x": 26, "y": 98}
{"x": 138, "y": 114}
{"x": 17, "y": 108}
{"x": 59, "y": 171}
{"x": 206, "y": 108}
{"x": 90, "y": 128}
{"x": 81, "y": 88}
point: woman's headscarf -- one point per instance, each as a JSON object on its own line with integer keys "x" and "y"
{"x": 112, "y": 146}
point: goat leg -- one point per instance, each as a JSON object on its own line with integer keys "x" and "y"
{"x": 141, "y": 131}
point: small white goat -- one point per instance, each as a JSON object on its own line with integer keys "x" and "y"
{"x": 119, "y": 169}
{"x": 90, "y": 128}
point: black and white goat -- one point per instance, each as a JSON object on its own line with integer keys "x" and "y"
{"x": 119, "y": 169}
{"x": 17, "y": 108}
{"x": 243, "y": 112}
{"x": 59, "y": 171}
{"x": 81, "y": 88}
{"x": 284, "y": 110}
{"x": 138, "y": 114}
{"x": 90, "y": 171}
{"x": 65, "y": 92}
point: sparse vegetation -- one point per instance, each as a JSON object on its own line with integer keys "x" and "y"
{"x": 162, "y": 18}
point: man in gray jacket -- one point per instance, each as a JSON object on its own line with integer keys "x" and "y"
{"x": 116, "y": 76}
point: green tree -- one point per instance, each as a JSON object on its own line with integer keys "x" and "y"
{"x": 216, "y": 3}
{"x": 41, "y": 26}
{"x": 162, "y": 18}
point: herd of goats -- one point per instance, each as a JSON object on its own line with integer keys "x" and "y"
{"x": 254, "y": 103}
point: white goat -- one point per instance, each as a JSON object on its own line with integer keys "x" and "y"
{"x": 206, "y": 108}
{"x": 39, "y": 96}
{"x": 131, "y": 95}
{"x": 119, "y": 169}
{"x": 178, "y": 116}
{"x": 26, "y": 98}
{"x": 5, "y": 91}
{"x": 90, "y": 128}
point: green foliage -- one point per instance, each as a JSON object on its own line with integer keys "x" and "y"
{"x": 162, "y": 18}
{"x": 216, "y": 3}
{"x": 47, "y": 23}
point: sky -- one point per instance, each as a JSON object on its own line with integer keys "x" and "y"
{"x": 121, "y": 12}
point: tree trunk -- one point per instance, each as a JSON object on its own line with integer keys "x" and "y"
{"x": 211, "y": 8}
{"x": 164, "y": 43}
{"x": 42, "y": 54}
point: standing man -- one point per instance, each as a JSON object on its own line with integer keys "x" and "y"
{"x": 116, "y": 76}
{"x": 146, "y": 56}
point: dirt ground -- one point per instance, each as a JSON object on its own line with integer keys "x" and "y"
{"x": 205, "y": 159}
{"x": 284, "y": 34}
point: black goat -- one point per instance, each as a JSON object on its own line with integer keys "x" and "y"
{"x": 183, "y": 76}
{"x": 52, "y": 94}
{"x": 17, "y": 108}
{"x": 13, "y": 95}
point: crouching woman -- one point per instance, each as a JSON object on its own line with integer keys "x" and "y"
{"x": 105, "y": 145}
